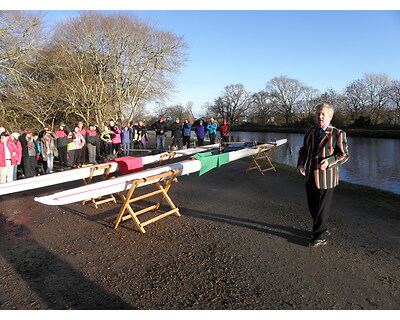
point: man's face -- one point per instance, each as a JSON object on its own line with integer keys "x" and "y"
{"x": 4, "y": 139}
{"x": 323, "y": 117}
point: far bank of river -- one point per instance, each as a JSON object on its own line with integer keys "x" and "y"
{"x": 351, "y": 132}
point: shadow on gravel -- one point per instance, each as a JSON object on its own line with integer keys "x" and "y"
{"x": 293, "y": 235}
{"x": 58, "y": 285}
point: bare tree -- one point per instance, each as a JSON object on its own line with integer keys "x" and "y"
{"x": 128, "y": 60}
{"x": 233, "y": 104}
{"x": 334, "y": 98}
{"x": 367, "y": 97}
{"x": 286, "y": 94}
{"x": 307, "y": 105}
{"x": 173, "y": 112}
{"x": 378, "y": 88}
{"x": 395, "y": 98}
{"x": 262, "y": 107}
{"x": 356, "y": 100}
{"x": 20, "y": 41}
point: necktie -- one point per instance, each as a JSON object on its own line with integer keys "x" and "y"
{"x": 319, "y": 134}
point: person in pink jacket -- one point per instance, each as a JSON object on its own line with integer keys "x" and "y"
{"x": 8, "y": 152}
{"x": 116, "y": 139}
{"x": 15, "y": 138}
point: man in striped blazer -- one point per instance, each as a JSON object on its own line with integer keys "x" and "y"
{"x": 323, "y": 151}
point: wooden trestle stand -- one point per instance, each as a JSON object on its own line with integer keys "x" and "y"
{"x": 168, "y": 178}
{"x": 263, "y": 156}
{"x": 105, "y": 176}
{"x": 166, "y": 157}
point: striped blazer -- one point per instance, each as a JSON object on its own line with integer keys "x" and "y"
{"x": 332, "y": 147}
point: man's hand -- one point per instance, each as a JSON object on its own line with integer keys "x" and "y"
{"x": 301, "y": 171}
{"x": 324, "y": 164}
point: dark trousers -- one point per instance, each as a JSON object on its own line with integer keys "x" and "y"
{"x": 77, "y": 157}
{"x": 116, "y": 148}
{"x": 108, "y": 150}
{"x": 29, "y": 166}
{"x": 186, "y": 141}
{"x": 225, "y": 138}
{"x": 177, "y": 142}
{"x": 62, "y": 156}
{"x": 212, "y": 138}
{"x": 319, "y": 204}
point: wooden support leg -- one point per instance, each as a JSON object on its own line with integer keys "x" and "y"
{"x": 105, "y": 176}
{"x": 263, "y": 155}
{"x": 161, "y": 190}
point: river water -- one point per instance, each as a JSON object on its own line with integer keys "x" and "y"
{"x": 373, "y": 162}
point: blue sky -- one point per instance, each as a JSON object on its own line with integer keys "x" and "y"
{"x": 321, "y": 48}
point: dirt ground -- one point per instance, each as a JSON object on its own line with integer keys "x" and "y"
{"x": 240, "y": 243}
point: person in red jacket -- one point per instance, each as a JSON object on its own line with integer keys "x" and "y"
{"x": 92, "y": 142}
{"x": 225, "y": 131}
{"x": 8, "y": 153}
{"x": 18, "y": 158}
{"x": 61, "y": 144}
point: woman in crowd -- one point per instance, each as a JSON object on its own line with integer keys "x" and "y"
{"x": 126, "y": 138}
{"x": 106, "y": 137}
{"x": 116, "y": 140}
{"x": 8, "y": 152}
{"x": 186, "y": 131}
{"x": 48, "y": 148}
{"x": 176, "y": 134}
{"x": 29, "y": 154}
{"x": 18, "y": 157}
{"x": 70, "y": 150}
{"x": 82, "y": 131}
{"x": 212, "y": 130}
{"x": 141, "y": 134}
{"x": 225, "y": 131}
{"x": 200, "y": 132}
{"x": 92, "y": 142}
{"x": 79, "y": 141}
{"x": 62, "y": 143}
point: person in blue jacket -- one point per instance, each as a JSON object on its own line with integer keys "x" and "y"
{"x": 186, "y": 131}
{"x": 126, "y": 135}
{"x": 212, "y": 130}
{"x": 200, "y": 133}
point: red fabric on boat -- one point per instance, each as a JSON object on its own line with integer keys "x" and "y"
{"x": 129, "y": 164}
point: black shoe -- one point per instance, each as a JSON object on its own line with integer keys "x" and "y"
{"x": 327, "y": 234}
{"x": 317, "y": 243}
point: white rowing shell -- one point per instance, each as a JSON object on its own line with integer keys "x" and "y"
{"x": 81, "y": 173}
{"x": 123, "y": 183}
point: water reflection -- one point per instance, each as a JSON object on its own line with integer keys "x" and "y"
{"x": 372, "y": 162}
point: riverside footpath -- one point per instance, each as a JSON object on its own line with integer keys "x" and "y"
{"x": 240, "y": 243}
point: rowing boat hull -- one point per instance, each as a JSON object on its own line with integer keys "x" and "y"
{"x": 124, "y": 183}
{"x": 82, "y": 173}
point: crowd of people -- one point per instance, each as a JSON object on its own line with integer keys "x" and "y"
{"x": 181, "y": 133}
{"x": 28, "y": 154}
